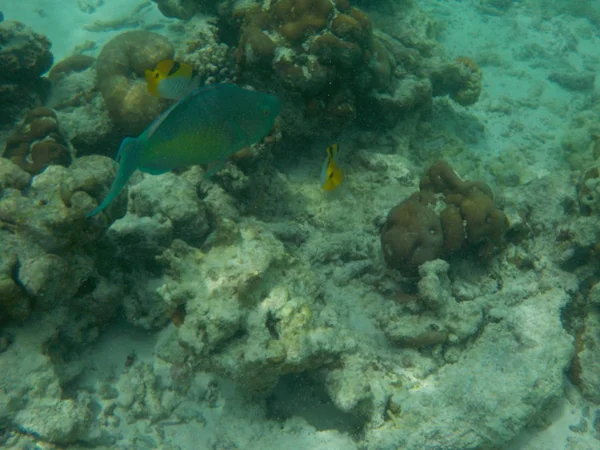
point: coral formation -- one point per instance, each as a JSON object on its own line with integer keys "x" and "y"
{"x": 460, "y": 79}
{"x": 24, "y": 57}
{"x": 38, "y": 142}
{"x": 414, "y": 233}
{"x": 74, "y": 63}
{"x": 204, "y": 50}
{"x": 40, "y": 219}
{"x": 185, "y": 9}
{"x": 329, "y": 59}
{"x": 326, "y": 53}
{"x": 120, "y": 74}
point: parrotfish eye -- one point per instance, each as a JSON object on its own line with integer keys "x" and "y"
{"x": 156, "y": 74}
{"x": 266, "y": 112}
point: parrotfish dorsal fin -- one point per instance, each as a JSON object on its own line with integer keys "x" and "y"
{"x": 127, "y": 158}
{"x": 160, "y": 119}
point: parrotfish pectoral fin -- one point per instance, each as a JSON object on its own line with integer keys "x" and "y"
{"x": 213, "y": 168}
{"x": 127, "y": 157}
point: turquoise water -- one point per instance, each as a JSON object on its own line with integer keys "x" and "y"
{"x": 432, "y": 285}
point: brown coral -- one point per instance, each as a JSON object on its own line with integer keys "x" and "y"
{"x": 38, "y": 143}
{"x": 412, "y": 235}
{"x": 484, "y": 224}
{"x": 470, "y": 221}
{"x": 324, "y": 51}
{"x": 298, "y": 18}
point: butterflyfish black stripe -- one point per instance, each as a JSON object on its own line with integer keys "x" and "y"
{"x": 174, "y": 69}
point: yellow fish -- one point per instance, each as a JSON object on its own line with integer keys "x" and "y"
{"x": 171, "y": 79}
{"x": 331, "y": 173}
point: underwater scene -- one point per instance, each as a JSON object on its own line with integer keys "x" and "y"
{"x": 300, "y": 224}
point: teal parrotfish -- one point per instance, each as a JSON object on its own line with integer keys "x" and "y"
{"x": 205, "y": 127}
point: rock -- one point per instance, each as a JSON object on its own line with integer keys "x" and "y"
{"x": 24, "y": 57}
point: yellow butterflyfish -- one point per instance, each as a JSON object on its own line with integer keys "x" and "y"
{"x": 171, "y": 79}
{"x": 331, "y": 173}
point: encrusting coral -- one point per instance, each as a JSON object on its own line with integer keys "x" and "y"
{"x": 414, "y": 233}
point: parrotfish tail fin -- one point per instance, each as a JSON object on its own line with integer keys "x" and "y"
{"x": 127, "y": 158}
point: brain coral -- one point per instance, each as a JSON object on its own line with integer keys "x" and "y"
{"x": 120, "y": 73}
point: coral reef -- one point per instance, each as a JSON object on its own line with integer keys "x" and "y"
{"x": 328, "y": 57}
{"x": 120, "y": 74}
{"x": 24, "y": 57}
{"x": 150, "y": 325}
{"x": 38, "y": 142}
{"x": 414, "y": 233}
